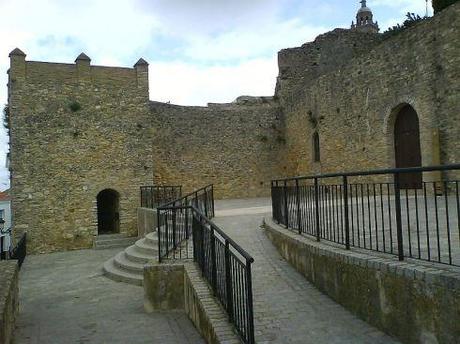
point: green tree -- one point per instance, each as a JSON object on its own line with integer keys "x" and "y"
{"x": 439, "y": 5}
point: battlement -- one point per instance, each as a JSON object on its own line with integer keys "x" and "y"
{"x": 80, "y": 73}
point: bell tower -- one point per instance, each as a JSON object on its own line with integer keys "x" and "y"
{"x": 365, "y": 19}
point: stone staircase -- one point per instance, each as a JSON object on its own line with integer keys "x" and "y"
{"x": 106, "y": 241}
{"x": 128, "y": 265}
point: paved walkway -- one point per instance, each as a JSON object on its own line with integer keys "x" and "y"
{"x": 64, "y": 299}
{"x": 288, "y": 309}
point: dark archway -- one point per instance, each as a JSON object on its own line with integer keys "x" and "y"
{"x": 108, "y": 212}
{"x": 407, "y": 146}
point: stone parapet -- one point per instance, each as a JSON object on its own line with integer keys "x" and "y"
{"x": 415, "y": 302}
{"x": 9, "y": 295}
{"x": 181, "y": 287}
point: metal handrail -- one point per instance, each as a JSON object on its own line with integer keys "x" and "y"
{"x": 375, "y": 172}
{"x": 182, "y": 198}
{"x": 237, "y": 247}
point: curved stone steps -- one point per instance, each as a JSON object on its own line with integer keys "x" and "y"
{"x": 134, "y": 254}
{"x": 152, "y": 239}
{"x": 122, "y": 262}
{"x": 119, "y": 275}
{"x": 128, "y": 265}
{"x": 143, "y": 246}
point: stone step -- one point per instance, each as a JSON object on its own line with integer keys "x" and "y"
{"x": 124, "y": 263}
{"x": 133, "y": 254}
{"x": 152, "y": 238}
{"x": 113, "y": 272}
{"x": 112, "y": 236}
{"x": 145, "y": 247}
{"x": 113, "y": 243}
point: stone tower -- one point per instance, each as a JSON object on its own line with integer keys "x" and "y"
{"x": 364, "y": 19}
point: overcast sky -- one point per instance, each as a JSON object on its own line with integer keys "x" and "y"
{"x": 199, "y": 51}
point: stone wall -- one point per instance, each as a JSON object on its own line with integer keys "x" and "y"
{"x": 146, "y": 221}
{"x": 353, "y": 108}
{"x": 410, "y": 301}
{"x": 9, "y": 296}
{"x": 234, "y": 146}
{"x": 181, "y": 286}
{"x": 76, "y": 130}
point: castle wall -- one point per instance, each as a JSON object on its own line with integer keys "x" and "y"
{"x": 234, "y": 146}
{"x": 347, "y": 85}
{"x": 354, "y": 107}
{"x": 62, "y": 158}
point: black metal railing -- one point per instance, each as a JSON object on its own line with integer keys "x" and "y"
{"x": 154, "y": 196}
{"x": 174, "y": 223}
{"x": 18, "y": 252}
{"x": 186, "y": 232}
{"x": 376, "y": 210}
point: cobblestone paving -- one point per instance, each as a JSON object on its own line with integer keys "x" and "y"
{"x": 288, "y": 309}
{"x": 64, "y": 298}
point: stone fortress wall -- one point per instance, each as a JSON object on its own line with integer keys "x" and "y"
{"x": 354, "y": 99}
{"x": 234, "y": 146}
{"x": 347, "y": 86}
{"x": 62, "y": 158}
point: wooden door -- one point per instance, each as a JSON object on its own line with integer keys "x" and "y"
{"x": 407, "y": 147}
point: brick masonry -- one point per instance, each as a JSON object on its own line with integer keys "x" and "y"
{"x": 77, "y": 129}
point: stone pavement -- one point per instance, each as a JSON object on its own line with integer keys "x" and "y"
{"x": 64, "y": 298}
{"x": 288, "y": 309}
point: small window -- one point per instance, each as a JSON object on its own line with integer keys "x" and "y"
{"x": 316, "y": 148}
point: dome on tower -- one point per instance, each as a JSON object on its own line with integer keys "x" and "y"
{"x": 365, "y": 19}
{"x": 364, "y": 9}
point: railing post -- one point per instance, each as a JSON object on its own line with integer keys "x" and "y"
{"x": 167, "y": 232}
{"x": 2, "y": 253}
{"x": 159, "y": 236}
{"x": 206, "y": 203}
{"x": 174, "y": 226}
{"x": 286, "y": 208}
{"x": 188, "y": 231}
{"x": 398, "y": 217}
{"x": 345, "y": 211}
{"x": 250, "y": 310}
{"x": 297, "y": 192}
{"x": 213, "y": 262}
{"x": 228, "y": 281}
{"x": 212, "y": 201}
{"x": 318, "y": 232}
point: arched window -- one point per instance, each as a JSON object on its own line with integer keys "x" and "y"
{"x": 316, "y": 148}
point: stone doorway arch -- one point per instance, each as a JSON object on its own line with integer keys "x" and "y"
{"x": 407, "y": 146}
{"x": 108, "y": 212}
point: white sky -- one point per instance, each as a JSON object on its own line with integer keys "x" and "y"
{"x": 199, "y": 51}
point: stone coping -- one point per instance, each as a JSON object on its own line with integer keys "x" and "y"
{"x": 8, "y": 299}
{"x": 431, "y": 272}
{"x": 414, "y": 301}
{"x": 180, "y": 285}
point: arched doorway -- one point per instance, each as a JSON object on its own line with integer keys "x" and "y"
{"x": 407, "y": 146}
{"x": 108, "y": 212}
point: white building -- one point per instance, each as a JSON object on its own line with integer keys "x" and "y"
{"x": 5, "y": 214}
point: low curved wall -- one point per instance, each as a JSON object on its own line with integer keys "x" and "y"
{"x": 8, "y": 299}
{"x": 417, "y": 303}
